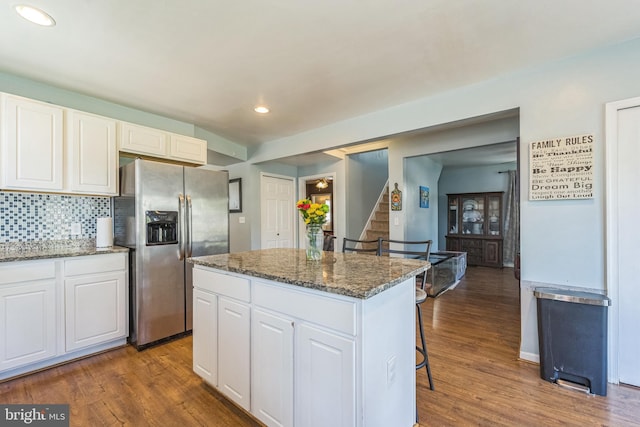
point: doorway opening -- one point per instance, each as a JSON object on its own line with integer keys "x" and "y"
{"x": 319, "y": 189}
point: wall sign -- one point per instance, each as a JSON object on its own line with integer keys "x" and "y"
{"x": 561, "y": 168}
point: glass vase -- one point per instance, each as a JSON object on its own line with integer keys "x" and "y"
{"x": 315, "y": 241}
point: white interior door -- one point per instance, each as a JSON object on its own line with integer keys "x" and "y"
{"x": 278, "y": 204}
{"x": 628, "y": 236}
{"x": 622, "y": 156}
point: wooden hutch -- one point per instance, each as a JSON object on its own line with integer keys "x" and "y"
{"x": 475, "y": 227}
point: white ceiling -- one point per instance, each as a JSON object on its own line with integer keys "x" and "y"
{"x": 209, "y": 62}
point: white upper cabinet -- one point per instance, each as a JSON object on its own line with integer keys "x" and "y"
{"x": 136, "y": 139}
{"x": 52, "y": 149}
{"x": 143, "y": 140}
{"x": 92, "y": 154}
{"x": 32, "y": 145}
{"x": 188, "y": 149}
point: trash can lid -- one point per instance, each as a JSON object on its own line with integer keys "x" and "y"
{"x": 566, "y": 295}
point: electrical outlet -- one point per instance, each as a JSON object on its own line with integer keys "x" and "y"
{"x": 76, "y": 229}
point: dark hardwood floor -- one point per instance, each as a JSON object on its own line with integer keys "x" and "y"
{"x": 154, "y": 387}
{"x": 473, "y": 337}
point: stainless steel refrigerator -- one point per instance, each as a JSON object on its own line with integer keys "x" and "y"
{"x": 166, "y": 213}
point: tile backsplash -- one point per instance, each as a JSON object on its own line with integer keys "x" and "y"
{"x": 28, "y": 217}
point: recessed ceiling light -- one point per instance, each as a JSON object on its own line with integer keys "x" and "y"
{"x": 35, "y": 15}
{"x": 261, "y": 109}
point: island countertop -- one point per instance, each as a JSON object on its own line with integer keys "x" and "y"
{"x": 354, "y": 275}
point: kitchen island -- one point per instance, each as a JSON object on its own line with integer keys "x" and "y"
{"x": 305, "y": 343}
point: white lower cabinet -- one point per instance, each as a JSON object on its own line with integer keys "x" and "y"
{"x": 272, "y": 367}
{"x": 205, "y": 335}
{"x": 95, "y": 300}
{"x": 303, "y": 348}
{"x": 290, "y": 355}
{"x": 222, "y": 334}
{"x": 27, "y": 314}
{"x": 234, "y": 355}
{"x": 52, "y": 311}
{"x": 308, "y": 358}
{"x": 95, "y": 309}
{"x": 325, "y": 378}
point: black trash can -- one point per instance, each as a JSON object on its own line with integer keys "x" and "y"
{"x": 572, "y": 333}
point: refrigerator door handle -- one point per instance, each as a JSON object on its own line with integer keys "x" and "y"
{"x": 181, "y": 226}
{"x": 189, "y": 226}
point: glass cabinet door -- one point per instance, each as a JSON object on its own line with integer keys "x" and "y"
{"x": 495, "y": 215}
{"x": 454, "y": 227}
{"x": 473, "y": 215}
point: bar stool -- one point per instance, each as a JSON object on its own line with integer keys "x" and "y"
{"x": 353, "y": 245}
{"x": 384, "y": 246}
{"x": 421, "y": 296}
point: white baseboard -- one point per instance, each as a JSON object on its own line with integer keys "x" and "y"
{"x": 530, "y": 357}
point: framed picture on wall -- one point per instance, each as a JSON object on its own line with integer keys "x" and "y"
{"x": 424, "y": 197}
{"x": 235, "y": 195}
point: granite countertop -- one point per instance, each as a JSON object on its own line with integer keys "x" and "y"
{"x": 23, "y": 251}
{"x": 354, "y": 275}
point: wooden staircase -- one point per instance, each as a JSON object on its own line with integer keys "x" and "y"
{"x": 378, "y": 225}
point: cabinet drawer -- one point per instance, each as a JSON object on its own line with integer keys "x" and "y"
{"x": 222, "y": 284}
{"x": 94, "y": 264}
{"x": 332, "y": 313}
{"x": 474, "y": 251}
{"x": 27, "y": 271}
{"x": 471, "y": 243}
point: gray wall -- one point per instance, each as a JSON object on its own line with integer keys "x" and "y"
{"x": 421, "y": 223}
{"x": 561, "y": 98}
{"x": 367, "y": 174}
{"x": 240, "y": 232}
{"x": 246, "y": 236}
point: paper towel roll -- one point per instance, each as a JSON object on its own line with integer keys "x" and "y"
{"x": 104, "y": 232}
